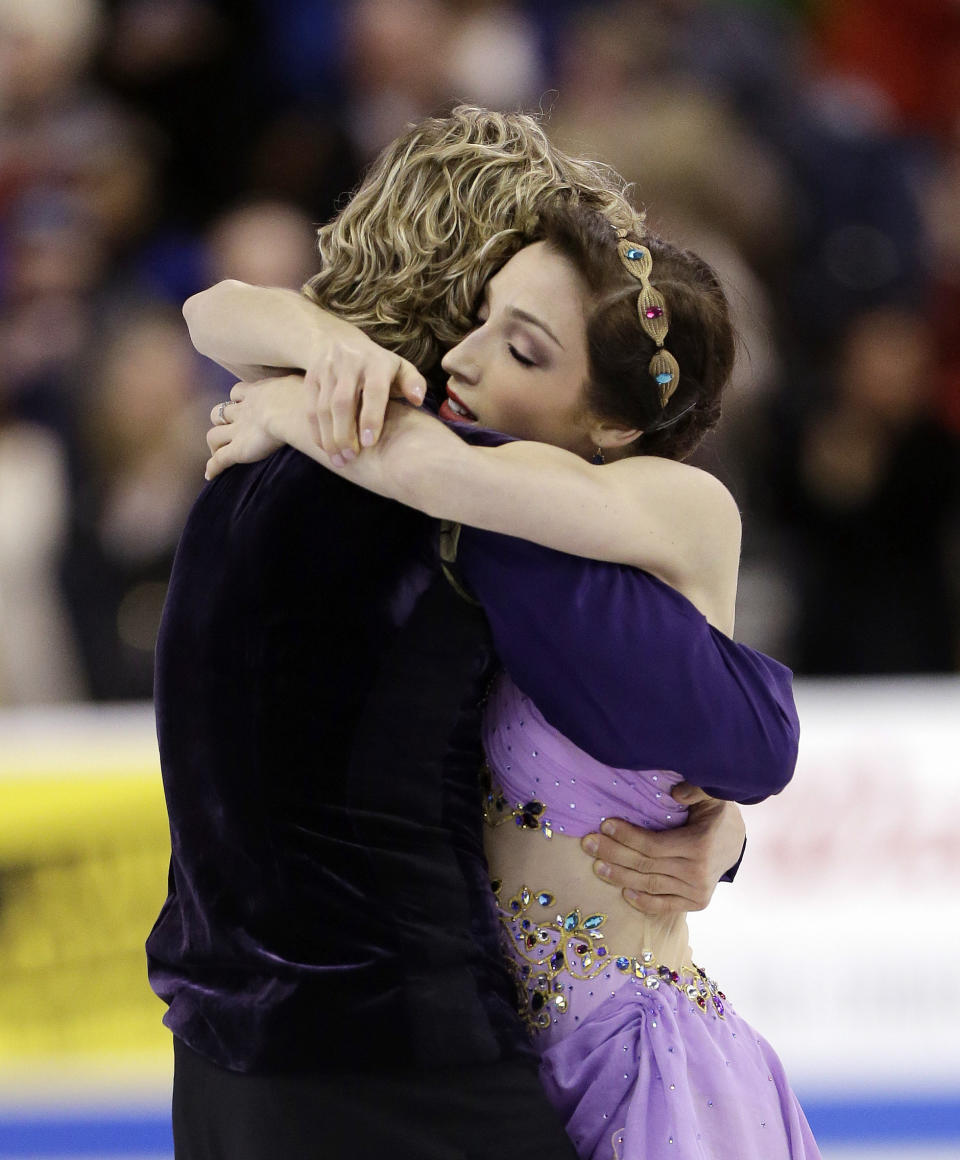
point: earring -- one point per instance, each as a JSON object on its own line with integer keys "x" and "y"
{"x": 598, "y": 456}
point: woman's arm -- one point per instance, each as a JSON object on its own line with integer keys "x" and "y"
{"x": 679, "y": 523}
{"x": 246, "y": 328}
{"x": 676, "y": 522}
{"x": 254, "y": 331}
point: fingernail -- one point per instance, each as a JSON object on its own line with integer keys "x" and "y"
{"x": 590, "y": 845}
{"x": 338, "y": 460}
{"x": 602, "y": 870}
{"x": 367, "y": 437}
{"x": 630, "y": 895}
{"x": 349, "y": 454}
{"x": 608, "y": 828}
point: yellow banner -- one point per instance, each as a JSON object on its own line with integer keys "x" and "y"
{"x": 84, "y": 848}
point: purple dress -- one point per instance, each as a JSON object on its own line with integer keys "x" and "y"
{"x": 641, "y": 1061}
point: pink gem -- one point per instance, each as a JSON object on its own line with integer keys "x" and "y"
{"x": 653, "y": 312}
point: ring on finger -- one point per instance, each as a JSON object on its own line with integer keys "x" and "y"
{"x": 220, "y": 420}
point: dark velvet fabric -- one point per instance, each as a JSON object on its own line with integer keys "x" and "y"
{"x": 317, "y": 694}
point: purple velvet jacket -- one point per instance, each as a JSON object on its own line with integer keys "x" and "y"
{"x": 318, "y": 688}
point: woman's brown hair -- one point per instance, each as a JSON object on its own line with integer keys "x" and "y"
{"x": 700, "y": 336}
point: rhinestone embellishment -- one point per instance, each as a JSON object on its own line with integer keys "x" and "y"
{"x": 497, "y": 810}
{"x": 542, "y": 952}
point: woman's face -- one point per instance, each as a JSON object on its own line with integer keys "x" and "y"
{"x": 523, "y": 369}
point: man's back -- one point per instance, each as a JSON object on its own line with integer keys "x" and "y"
{"x": 317, "y": 697}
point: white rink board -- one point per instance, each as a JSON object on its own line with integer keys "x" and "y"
{"x": 840, "y": 940}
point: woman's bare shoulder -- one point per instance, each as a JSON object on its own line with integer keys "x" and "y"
{"x": 681, "y": 490}
{"x": 697, "y": 522}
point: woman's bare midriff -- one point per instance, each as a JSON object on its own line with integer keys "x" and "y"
{"x": 521, "y": 857}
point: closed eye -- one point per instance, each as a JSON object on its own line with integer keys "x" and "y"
{"x": 527, "y": 362}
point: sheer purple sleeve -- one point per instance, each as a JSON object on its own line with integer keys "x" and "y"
{"x": 628, "y": 668}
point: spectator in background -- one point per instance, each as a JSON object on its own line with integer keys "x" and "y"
{"x": 181, "y": 66}
{"x": 484, "y": 53}
{"x": 38, "y": 661}
{"x": 391, "y": 79}
{"x": 868, "y": 484}
{"x": 55, "y": 263}
{"x": 260, "y": 241}
{"x": 142, "y": 465}
{"x": 268, "y": 243}
{"x": 907, "y": 55}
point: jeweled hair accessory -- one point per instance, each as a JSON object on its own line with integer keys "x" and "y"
{"x": 652, "y": 310}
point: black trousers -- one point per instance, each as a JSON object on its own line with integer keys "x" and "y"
{"x": 486, "y": 1112}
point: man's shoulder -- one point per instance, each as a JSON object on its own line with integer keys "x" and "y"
{"x": 290, "y": 495}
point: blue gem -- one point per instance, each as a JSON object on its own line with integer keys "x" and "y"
{"x": 601, "y": 951}
{"x": 664, "y": 377}
{"x": 634, "y": 253}
{"x": 545, "y": 899}
{"x": 570, "y": 922}
{"x": 623, "y": 963}
{"x": 593, "y": 921}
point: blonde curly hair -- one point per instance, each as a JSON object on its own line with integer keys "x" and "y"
{"x": 440, "y": 210}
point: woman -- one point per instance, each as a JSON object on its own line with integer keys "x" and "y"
{"x": 609, "y": 346}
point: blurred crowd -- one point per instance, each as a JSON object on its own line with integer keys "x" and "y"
{"x": 810, "y": 150}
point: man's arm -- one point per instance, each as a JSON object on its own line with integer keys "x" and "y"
{"x": 644, "y": 681}
{"x": 643, "y": 674}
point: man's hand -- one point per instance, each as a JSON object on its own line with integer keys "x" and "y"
{"x": 669, "y": 871}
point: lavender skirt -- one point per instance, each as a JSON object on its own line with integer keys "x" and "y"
{"x": 642, "y": 1074}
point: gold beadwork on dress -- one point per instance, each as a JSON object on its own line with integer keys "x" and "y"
{"x": 497, "y": 810}
{"x": 547, "y": 947}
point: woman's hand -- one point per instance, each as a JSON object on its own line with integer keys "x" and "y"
{"x": 353, "y": 381}
{"x": 258, "y": 419}
{"x": 670, "y": 871}
{"x": 249, "y": 328}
